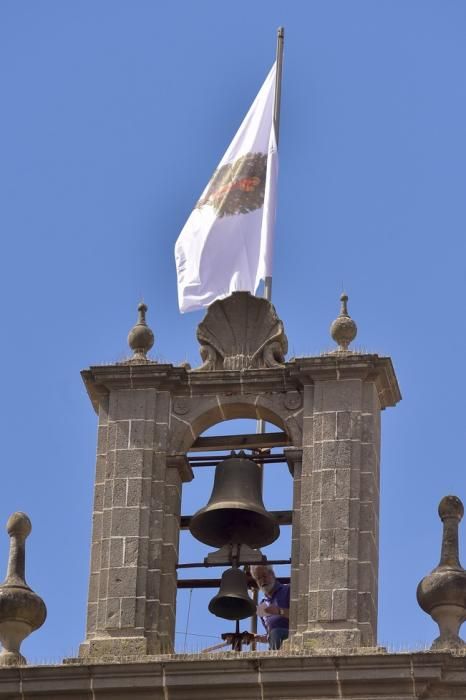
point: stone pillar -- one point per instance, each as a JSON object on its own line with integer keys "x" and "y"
{"x": 335, "y": 520}
{"x": 294, "y": 459}
{"x": 164, "y": 540}
{"x": 132, "y": 593}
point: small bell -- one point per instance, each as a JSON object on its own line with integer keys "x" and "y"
{"x": 232, "y": 602}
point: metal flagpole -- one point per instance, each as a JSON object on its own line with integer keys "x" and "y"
{"x": 268, "y": 280}
{"x": 276, "y": 123}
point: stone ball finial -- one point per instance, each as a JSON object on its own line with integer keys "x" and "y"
{"x": 140, "y": 337}
{"x": 442, "y": 594}
{"x": 19, "y": 524}
{"x": 21, "y": 610}
{"x": 450, "y": 507}
{"x": 343, "y": 330}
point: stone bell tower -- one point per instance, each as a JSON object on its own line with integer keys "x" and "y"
{"x": 151, "y": 415}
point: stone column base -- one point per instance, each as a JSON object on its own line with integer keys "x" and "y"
{"x": 113, "y": 647}
{"x": 320, "y": 640}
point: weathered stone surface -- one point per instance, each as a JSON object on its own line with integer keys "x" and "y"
{"x": 254, "y": 676}
{"x": 241, "y": 332}
{"x": 442, "y": 593}
{"x": 137, "y": 427}
{"x": 118, "y": 647}
{"x": 150, "y": 415}
{"x": 140, "y": 337}
{"x": 338, "y": 506}
{"x": 343, "y": 330}
{"x": 21, "y": 610}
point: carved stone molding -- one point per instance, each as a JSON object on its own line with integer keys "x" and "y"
{"x": 241, "y": 332}
{"x": 293, "y": 400}
{"x": 181, "y": 405}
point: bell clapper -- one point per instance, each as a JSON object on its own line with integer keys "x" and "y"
{"x": 237, "y": 638}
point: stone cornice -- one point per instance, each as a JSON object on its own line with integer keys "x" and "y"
{"x": 248, "y": 381}
{"x": 336, "y": 366}
{"x": 250, "y": 675}
{"x": 99, "y": 380}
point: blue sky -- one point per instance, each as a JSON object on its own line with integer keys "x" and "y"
{"x": 114, "y": 114}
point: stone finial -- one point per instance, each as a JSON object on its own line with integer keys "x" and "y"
{"x": 343, "y": 330}
{"x": 140, "y": 337}
{"x": 21, "y": 610}
{"x": 442, "y": 594}
{"x": 241, "y": 332}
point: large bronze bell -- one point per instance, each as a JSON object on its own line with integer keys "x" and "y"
{"x": 232, "y": 602}
{"x": 235, "y": 513}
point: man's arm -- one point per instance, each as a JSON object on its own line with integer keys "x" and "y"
{"x": 275, "y": 610}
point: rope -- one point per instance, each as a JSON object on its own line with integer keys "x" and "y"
{"x": 187, "y": 619}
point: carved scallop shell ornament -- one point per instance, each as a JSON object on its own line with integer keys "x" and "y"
{"x": 241, "y": 332}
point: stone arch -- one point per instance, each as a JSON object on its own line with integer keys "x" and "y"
{"x": 200, "y": 413}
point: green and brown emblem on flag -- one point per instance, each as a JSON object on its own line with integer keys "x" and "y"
{"x": 238, "y": 187}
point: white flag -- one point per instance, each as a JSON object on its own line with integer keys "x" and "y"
{"x": 226, "y": 244}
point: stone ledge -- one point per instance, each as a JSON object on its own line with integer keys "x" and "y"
{"x": 252, "y": 676}
{"x": 340, "y": 366}
{"x": 99, "y": 380}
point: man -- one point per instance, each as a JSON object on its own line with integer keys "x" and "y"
{"x": 274, "y": 607}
